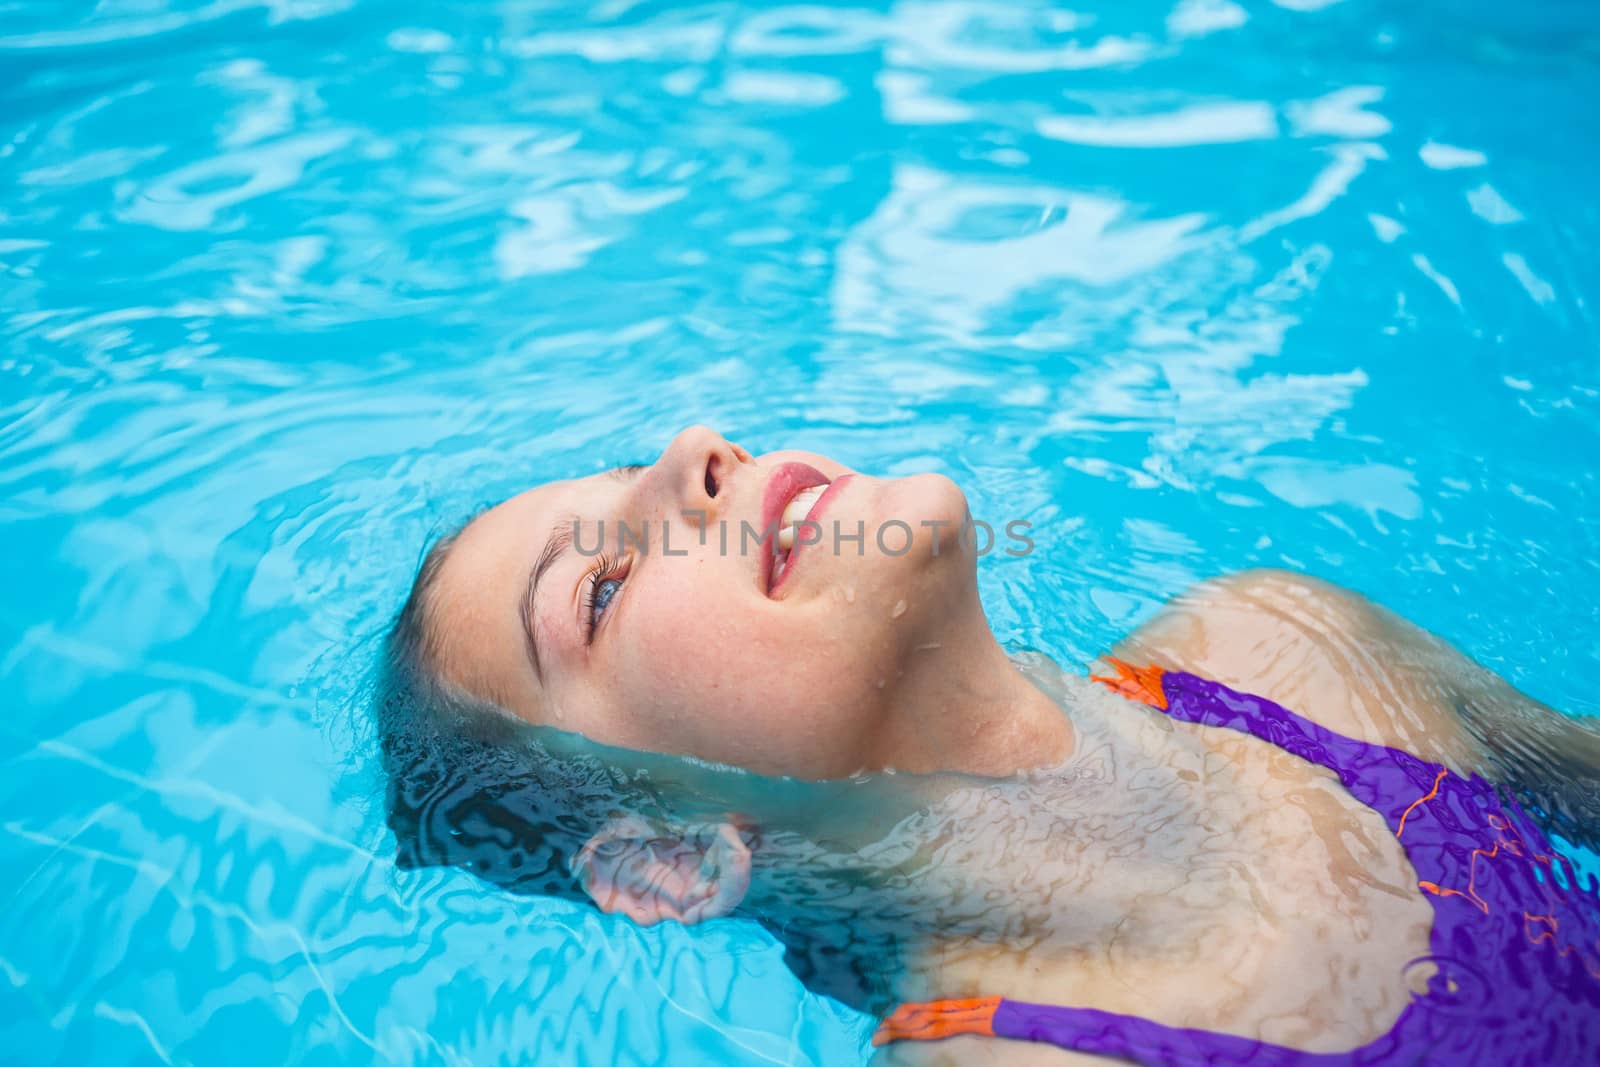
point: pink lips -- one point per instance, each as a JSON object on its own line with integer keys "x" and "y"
{"x": 785, "y": 482}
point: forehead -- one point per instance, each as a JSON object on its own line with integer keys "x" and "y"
{"x": 523, "y": 523}
{"x": 476, "y": 598}
{"x": 515, "y": 516}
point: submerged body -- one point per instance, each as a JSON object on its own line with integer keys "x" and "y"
{"x": 1255, "y": 896}
{"x": 1056, "y": 845}
{"x": 1511, "y": 974}
{"x": 1267, "y": 907}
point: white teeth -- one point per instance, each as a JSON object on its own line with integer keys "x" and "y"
{"x": 798, "y": 508}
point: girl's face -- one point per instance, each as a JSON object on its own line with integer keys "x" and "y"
{"x": 647, "y": 607}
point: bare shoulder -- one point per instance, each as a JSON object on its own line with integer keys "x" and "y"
{"x": 1322, "y": 651}
{"x": 1356, "y": 667}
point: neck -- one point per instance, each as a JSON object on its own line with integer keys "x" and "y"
{"x": 1056, "y": 864}
{"x": 963, "y": 706}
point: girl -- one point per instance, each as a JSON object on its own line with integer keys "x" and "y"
{"x": 1154, "y": 866}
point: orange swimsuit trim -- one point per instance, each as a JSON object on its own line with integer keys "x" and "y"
{"x": 932, "y": 1020}
{"x": 1136, "y": 683}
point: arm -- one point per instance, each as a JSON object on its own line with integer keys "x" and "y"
{"x": 1352, "y": 666}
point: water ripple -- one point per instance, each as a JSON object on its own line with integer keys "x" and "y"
{"x": 288, "y": 287}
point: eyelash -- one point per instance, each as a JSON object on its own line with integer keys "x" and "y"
{"x": 606, "y": 569}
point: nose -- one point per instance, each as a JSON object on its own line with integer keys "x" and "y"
{"x": 696, "y": 469}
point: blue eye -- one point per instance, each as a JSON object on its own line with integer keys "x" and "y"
{"x": 603, "y": 593}
{"x": 603, "y": 585}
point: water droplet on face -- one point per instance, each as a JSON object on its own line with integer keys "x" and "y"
{"x": 899, "y": 609}
{"x": 849, "y": 594}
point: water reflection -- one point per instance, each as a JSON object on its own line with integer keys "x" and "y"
{"x": 287, "y": 287}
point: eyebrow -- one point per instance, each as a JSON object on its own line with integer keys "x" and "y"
{"x": 556, "y": 545}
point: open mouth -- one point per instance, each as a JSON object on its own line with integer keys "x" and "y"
{"x": 798, "y": 510}
{"x": 795, "y": 494}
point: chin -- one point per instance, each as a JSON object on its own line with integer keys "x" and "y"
{"x": 905, "y": 601}
{"x": 930, "y": 499}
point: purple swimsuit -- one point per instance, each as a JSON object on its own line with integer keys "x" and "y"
{"x": 1515, "y": 940}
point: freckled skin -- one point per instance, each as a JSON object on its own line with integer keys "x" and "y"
{"x": 692, "y": 657}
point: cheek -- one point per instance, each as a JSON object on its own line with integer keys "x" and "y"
{"x": 710, "y": 671}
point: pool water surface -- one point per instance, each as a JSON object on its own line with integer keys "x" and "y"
{"x": 288, "y": 287}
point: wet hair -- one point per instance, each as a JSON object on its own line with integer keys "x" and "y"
{"x": 468, "y": 785}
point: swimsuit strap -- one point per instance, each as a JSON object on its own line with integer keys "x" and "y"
{"x": 1116, "y": 1036}
{"x": 1467, "y": 843}
{"x": 1385, "y": 779}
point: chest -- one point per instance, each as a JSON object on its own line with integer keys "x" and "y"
{"x": 1257, "y": 899}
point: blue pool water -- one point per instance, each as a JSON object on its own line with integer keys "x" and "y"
{"x": 288, "y": 285}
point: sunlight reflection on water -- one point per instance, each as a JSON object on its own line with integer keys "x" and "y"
{"x": 289, "y": 286}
